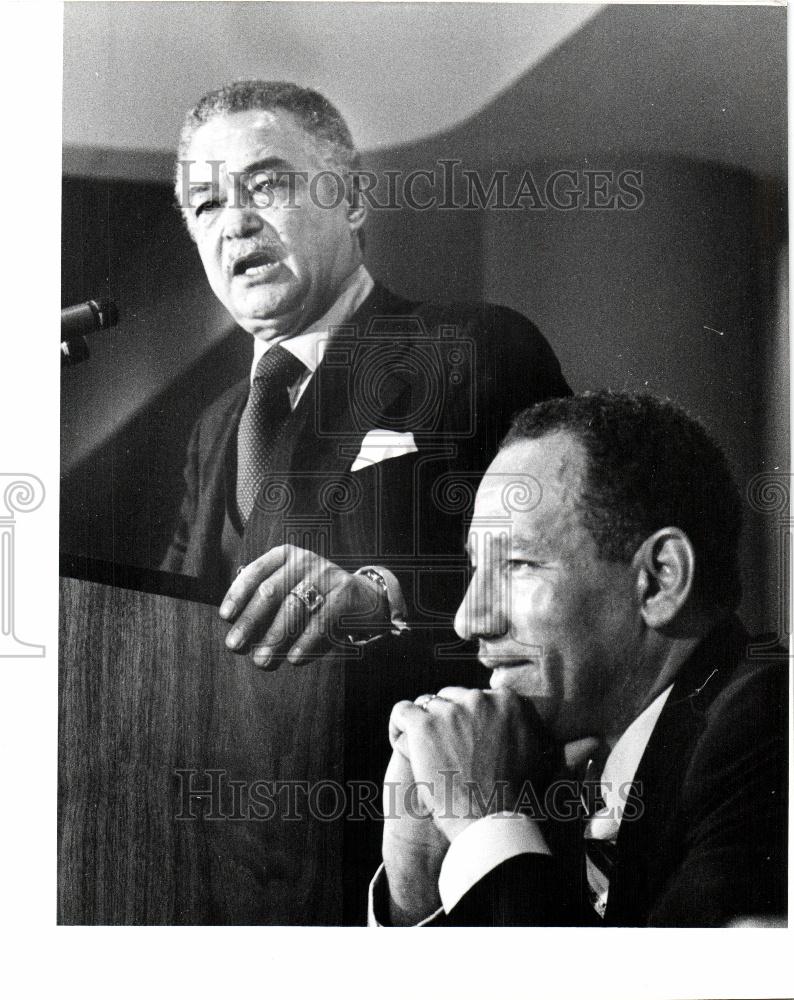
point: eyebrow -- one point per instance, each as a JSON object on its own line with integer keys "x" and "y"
{"x": 514, "y": 541}
{"x": 198, "y": 188}
{"x": 497, "y": 534}
{"x": 269, "y": 163}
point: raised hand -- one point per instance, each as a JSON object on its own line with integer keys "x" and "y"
{"x": 470, "y": 752}
{"x": 413, "y": 846}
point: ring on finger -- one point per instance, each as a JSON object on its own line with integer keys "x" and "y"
{"x": 426, "y": 701}
{"x": 308, "y": 595}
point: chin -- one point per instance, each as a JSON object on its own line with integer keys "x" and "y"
{"x": 503, "y": 680}
{"x": 268, "y": 300}
{"x": 500, "y": 679}
{"x": 256, "y": 307}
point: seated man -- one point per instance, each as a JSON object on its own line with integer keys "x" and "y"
{"x": 604, "y": 549}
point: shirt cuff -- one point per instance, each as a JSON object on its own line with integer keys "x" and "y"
{"x": 378, "y": 903}
{"x": 481, "y": 847}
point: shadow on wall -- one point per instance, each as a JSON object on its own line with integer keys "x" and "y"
{"x": 682, "y": 295}
{"x": 126, "y": 413}
{"x": 677, "y": 297}
{"x": 120, "y": 503}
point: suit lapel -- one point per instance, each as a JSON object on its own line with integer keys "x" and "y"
{"x": 653, "y": 804}
{"x": 229, "y": 471}
{"x": 333, "y": 412}
{"x": 322, "y": 434}
{"x": 203, "y": 555}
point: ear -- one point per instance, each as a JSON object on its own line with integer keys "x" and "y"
{"x": 356, "y": 207}
{"x": 666, "y": 572}
{"x": 356, "y": 213}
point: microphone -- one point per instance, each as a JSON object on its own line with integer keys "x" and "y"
{"x": 77, "y": 322}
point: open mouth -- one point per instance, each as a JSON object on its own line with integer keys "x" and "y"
{"x": 254, "y": 264}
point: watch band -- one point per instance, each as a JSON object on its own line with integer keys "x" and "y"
{"x": 390, "y": 585}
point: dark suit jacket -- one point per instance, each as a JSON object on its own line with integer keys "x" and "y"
{"x": 453, "y": 376}
{"x": 704, "y": 839}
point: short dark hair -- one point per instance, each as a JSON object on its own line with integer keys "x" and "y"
{"x": 310, "y": 109}
{"x": 649, "y": 465}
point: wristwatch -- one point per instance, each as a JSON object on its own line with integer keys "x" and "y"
{"x": 390, "y": 585}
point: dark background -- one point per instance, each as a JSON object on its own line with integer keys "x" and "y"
{"x": 686, "y": 296}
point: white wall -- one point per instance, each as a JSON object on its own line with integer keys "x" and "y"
{"x": 398, "y": 71}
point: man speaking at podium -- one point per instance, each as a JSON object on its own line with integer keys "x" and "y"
{"x": 333, "y": 475}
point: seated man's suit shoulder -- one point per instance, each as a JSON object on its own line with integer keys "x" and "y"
{"x": 734, "y": 805}
{"x": 747, "y": 719}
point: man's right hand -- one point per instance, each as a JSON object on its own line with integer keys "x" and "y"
{"x": 413, "y": 847}
{"x": 273, "y": 622}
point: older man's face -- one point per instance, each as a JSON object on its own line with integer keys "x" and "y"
{"x": 277, "y": 259}
{"x": 555, "y": 622}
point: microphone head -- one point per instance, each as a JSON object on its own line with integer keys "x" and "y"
{"x": 88, "y": 317}
{"x": 108, "y": 314}
{"x": 73, "y": 352}
{"x": 79, "y": 321}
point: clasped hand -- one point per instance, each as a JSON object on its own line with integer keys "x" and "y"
{"x": 274, "y": 623}
{"x": 470, "y": 752}
{"x": 458, "y": 756}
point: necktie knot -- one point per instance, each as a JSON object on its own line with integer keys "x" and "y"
{"x": 277, "y": 370}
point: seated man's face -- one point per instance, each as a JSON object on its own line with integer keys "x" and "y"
{"x": 555, "y": 622}
{"x": 276, "y": 259}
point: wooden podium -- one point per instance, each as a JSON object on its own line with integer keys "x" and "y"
{"x": 193, "y": 788}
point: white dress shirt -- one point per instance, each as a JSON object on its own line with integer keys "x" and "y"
{"x": 494, "y": 839}
{"x": 309, "y": 348}
{"x": 309, "y": 345}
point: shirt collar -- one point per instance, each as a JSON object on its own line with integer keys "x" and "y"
{"x": 309, "y": 345}
{"x": 621, "y": 766}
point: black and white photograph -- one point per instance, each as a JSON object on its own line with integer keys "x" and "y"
{"x": 418, "y": 489}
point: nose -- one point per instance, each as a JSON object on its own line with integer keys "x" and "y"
{"x": 482, "y": 613}
{"x": 240, "y": 221}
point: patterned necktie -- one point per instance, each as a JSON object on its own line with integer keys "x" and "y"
{"x": 599, "y": 853}
{"x": 263, "y": 419}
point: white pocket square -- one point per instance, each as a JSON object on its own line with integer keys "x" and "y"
{"x": 379, "y": 445}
